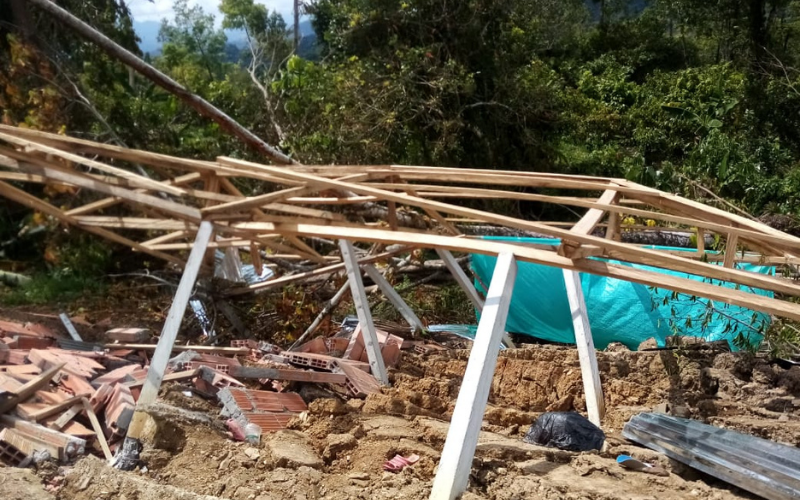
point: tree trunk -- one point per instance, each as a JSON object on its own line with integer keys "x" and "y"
{"x": 198, "y": 103}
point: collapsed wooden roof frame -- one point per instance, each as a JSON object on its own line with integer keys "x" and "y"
{"x": 170, "y": 209}
{"x": 193, "y": 200}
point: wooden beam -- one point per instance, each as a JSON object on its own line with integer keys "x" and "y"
{"x": 27, "y": 391}
{"x": 623, "y": 272}
{"x": 621, "y": 251}
{"x": 66, "y": 417}
{"x": 614, "y": 226}
{"x": 371, "y": 344}
{"x": 730, "y": 251}
{"x": 452, "y": 477}
{"x": 202, "y": 106}
{"x": 461, "y": 278}
{"x": 57, "y": 173}
{"x": 166, "y": 342}
{"x": 284, "y": 280}
{"x": 31, "y": 201}
{"x": 56, "y": 408}
{"x": 397, "y": 301}
{"x": 701, "y": 241}
{"x": 171, "y": 377}
{"x": 29, "y": 145}
{"x": 586, "y": 225}
{"x": 98, "y": 429}
{"x": 592, "y": 387}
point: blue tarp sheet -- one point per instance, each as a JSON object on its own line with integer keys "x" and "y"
{"x": 621, "y": 311}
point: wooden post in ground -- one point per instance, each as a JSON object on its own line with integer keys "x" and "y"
{"x": 371, "y": 344}
{"x": 466, "y": 284}
{"x": 462, "y": 438}
{"x": 461, "y": 278}
{"x": 158, "y": 363}
{"x": 394, "y": 297}
{"x": 592, "y": 387}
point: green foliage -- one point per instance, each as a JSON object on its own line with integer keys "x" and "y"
{"x": 59, "y": 286}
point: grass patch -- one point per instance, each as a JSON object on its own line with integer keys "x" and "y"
{"x": 57, "y": 286}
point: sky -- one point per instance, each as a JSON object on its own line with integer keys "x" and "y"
{"x": 144, "y": 10}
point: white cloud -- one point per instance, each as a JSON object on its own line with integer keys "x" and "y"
{"x": 144, "y": 10}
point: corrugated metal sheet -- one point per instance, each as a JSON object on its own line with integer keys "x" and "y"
{"x": 763, "y": 467}
{"x": 77, "y": 345}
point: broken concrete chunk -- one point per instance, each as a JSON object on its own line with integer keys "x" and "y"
{"x": 291, "y": 449}
{"x": 337, "y": 443}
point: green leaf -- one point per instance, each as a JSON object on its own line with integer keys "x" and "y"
{"x": 723, "y": 168}
{"x": 714, "y": 123}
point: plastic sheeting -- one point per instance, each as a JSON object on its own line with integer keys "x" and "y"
{"x": 621, "y": 311}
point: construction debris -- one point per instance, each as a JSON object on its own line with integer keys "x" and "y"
{"x": 64, "y": 399}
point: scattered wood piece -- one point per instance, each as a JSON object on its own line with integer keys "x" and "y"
{"x": 56, "y": 408}
{"x": 29, "y": 389}
{"x": 183, "y": 375}
{"x": 225, "y": 351}
{"x": 66, "y": 417}
{"x": 101, "y": 438}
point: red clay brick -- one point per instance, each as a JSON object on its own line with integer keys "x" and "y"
{"x": 359, "y": 383}
{"x": 319, "y": 361}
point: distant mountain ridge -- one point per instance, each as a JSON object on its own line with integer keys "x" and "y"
{"x": 148, "y": 33}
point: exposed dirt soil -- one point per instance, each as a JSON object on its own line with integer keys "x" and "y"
{"x": 336, "y": 449}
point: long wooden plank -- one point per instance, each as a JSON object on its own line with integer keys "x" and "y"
{"x": 56, "y": 408}
{"x": 588, "y": 222}
{"x": 31, "y": 201}
{"x": 170, "y": 377}
{"x": 487, "y": 247}
{"x": 110, "y": 202}
{"x": 371, "y": 344}
{"x": 56, "y": 173}
{"x": 452, "y": 476}
{"x": 285, "y": 280}
{"x": 592, "y": 388}
{"x": 721, "y": 226}
{"x": 66, "y": 417}
{"x": 593, "y": 217}
{"x": 623, "y": 251}
{"x": 169, "y": 332}
{"x": 98, "y": 429}
{"x": 730, "y": 251}
{"x": 134, "y": 179}
{"x": 397, "y": 301}
{"x": 613, "y": 249}
{"x": 28, "y": 390}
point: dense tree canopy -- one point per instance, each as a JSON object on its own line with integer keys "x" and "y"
{"x": 685, "y": 95}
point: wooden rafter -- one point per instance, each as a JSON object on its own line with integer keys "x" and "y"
{"x": 350, "y": 203}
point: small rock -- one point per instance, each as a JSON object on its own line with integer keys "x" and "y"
{"x": 338, "y": 443}
{"x": 783, "y": 418}
{"x": 617, "y": 347}
{"x": 224, "y": 464}
{"x": 681, "y": 411}
{"x": 292, "y": 449}
{"x": 361, "y": 476}
{"x": 252, "y": 453}
{"x": 650, "y": 343}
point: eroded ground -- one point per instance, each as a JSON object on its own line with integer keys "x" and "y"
{"x": 337, "y": 448}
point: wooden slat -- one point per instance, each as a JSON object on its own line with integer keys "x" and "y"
{"x": 486, "y": 247}
{"x": 730, "y": 251}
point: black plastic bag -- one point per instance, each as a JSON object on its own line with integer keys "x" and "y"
{"x": 566, "y": 431}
